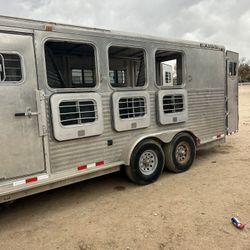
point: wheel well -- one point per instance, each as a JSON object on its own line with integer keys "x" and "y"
{"x": 158, "y": 140}
{"x": 196, "y": 139}
{"x": 161, "y": 142}
{"x": 154, "y": 139}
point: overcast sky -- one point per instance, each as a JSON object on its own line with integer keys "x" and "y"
{"x": 225, "y": 22}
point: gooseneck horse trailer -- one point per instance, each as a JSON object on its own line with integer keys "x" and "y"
{"x": 78, "y": 102}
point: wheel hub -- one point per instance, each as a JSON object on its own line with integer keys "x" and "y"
{"x": 148, "y": 162}
{"x": 182, "y": 153}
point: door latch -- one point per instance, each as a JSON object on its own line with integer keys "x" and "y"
{"x": 28, "y": 113}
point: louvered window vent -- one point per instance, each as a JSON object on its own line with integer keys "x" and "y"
{"x": 173, "y": 103}
{"x": 77, "y": 112}
{"x": 132, "y": 107}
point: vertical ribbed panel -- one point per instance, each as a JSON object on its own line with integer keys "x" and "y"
{"x": 205, "y": 119}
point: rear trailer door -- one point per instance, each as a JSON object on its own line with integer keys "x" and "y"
{"x": 21, "y": 147}
{"x": 232, "y": 121}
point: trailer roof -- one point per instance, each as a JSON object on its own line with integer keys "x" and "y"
{"x": 22, "y": 23}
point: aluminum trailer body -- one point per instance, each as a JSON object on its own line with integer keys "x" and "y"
{"x": 77, "y": 103}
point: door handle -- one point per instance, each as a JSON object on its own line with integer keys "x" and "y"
{"x": 28, "y": 113}
{"x": 19, "y": 114}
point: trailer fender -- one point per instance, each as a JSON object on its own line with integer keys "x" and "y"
{"x": 163, "y": 137}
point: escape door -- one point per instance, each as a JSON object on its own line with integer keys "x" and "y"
{"x": 21, "y": 148}
{"x": 232, "y": 92}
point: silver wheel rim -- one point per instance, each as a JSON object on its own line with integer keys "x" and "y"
{"x": 148, "y": 162}
{"x": 182, "y": 152}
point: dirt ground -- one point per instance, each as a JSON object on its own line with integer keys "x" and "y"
{"x": 191, "y": 210}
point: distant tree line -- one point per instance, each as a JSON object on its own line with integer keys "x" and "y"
{"x": 244, "y": 70}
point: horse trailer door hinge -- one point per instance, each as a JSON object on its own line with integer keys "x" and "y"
{"x": 41, "y": 110}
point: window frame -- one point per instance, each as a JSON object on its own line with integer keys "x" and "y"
{"x": 183, "y": 57}
{"x": 76, "y": 41}
{"x": 134, "y": 46}
{"x": 23, "y": 72}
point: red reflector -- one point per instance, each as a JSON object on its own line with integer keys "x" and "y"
{"x": 99, "y": 163}
{"x": 31, "y": 179}
{"x": 82, "y": 167}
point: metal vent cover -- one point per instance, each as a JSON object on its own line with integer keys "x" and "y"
{"x": 172, "y": 106}
{"x": 173, "y": 103}
{"x": 76, "y": 115}
{"x": 77, "y": 112}
{"x": 131, "y": 107}
{"x": 131, "y": 110}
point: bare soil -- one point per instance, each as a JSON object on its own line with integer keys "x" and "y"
{"x": 191, "y": 210}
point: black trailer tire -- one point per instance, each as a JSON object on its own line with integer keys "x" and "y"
{"x": 180, "y": 153}
{"x": 146, "y": 162}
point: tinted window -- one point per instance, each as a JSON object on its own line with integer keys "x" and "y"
{"x": 70, "y": 65}
{"x": 126, "y": 67}
{"x": 232, "y": 68}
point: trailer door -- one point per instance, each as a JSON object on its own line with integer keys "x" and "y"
{"x": 232, "y": 92}
{"x": 21, "y": 148}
